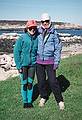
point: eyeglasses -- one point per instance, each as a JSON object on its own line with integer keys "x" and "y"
{"x": 47, "y": 21}
{"x": 32, "y": 28}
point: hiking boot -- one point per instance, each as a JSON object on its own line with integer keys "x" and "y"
{"x": 61, "y": 105}
{"x": 42, "y": 102}
{"x": 25, "y": 105}
{"x": 30, "y": 105}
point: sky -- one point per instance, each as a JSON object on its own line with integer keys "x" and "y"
{"x": 69, "y": 11}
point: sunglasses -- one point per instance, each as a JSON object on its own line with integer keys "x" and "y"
{"x": 32, "y": 28}
{"x": 47, "y": 21}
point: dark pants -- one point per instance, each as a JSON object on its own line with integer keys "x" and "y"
{"x": 41, "y": 71}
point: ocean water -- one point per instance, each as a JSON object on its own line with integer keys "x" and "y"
{"x": 11, "y": 31}
{"x": 73, "y": 32}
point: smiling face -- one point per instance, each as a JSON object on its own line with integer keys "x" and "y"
{"x": 31, "y": 27}
{"x": 31, "y": 30}
{"x": 46, "y": 23}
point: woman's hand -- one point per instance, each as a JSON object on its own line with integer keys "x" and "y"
{"x": 20, "y": 70}
{"x": 55, "y": 66}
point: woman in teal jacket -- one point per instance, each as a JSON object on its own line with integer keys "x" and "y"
{"x": 25, "y": 51}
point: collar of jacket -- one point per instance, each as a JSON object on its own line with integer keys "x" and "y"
{"x": 32, "y": 36}
{"x": 49, "y": 30}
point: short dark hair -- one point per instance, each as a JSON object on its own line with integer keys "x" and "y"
{"x": 25, "y": 30}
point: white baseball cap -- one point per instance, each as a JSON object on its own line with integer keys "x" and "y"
{"x": 45, "y": 16}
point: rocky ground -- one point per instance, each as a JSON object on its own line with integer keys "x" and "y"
{"x": 72, "y": 45}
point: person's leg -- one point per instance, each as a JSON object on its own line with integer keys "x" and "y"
{"x": 31, "y": 73}
{"x": 23, "y": 77}
{"x": 41, "y": 77}
{"x": 54, "y": 83}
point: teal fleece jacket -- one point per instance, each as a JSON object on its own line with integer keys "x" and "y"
{"x": 25, "y": 50}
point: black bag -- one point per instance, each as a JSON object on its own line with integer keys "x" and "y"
{"x": 63, "y": 82}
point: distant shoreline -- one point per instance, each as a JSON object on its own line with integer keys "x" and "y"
{"x": 8, "y": 24}
{"x": 21, "y": 29}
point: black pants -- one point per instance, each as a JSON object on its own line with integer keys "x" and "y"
{"x": 41, "y": 71}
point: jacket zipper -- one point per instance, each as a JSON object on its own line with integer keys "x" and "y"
{"x": 43, "y": 49}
